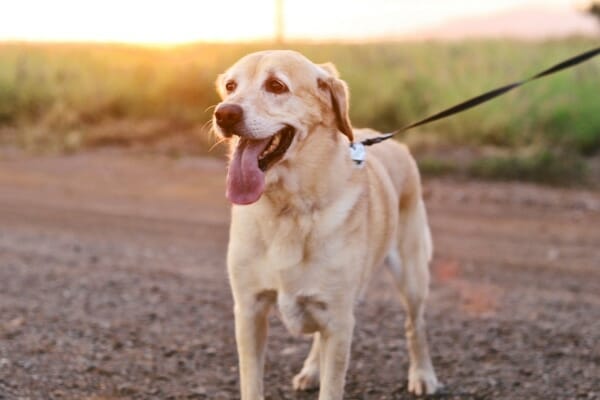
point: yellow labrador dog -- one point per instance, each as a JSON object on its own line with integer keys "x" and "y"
{"x": 310, "y": 225}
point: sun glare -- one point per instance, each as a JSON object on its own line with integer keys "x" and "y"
{"x": 158, "y": 22}
{"x": 180, "y": 21}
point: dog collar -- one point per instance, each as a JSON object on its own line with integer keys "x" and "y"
{"x": 358, "y": 153}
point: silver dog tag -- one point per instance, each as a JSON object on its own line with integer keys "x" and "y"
{"x": 358, "y": 153}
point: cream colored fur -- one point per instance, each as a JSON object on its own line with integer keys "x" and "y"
{"x": 323, "y": 225}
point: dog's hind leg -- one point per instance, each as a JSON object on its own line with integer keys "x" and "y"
{"x": 408, "y": 264}
{"x": 308, "y": 377}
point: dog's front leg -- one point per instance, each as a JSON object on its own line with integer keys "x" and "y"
{"x": 251, "y": 335}
{"x": 334, "y": 357}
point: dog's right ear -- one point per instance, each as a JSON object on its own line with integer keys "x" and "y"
{"x": 340, "y": 98}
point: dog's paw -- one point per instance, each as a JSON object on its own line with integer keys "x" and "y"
{"x": 422, "y": 382}
{"x": 307, "y": 379}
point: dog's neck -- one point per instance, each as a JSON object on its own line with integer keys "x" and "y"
{"x": 315, "y": 178}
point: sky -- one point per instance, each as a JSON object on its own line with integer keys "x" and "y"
{"x": 181, "y": 21}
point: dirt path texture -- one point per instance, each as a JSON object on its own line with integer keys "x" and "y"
{"x": 113, "y": 286}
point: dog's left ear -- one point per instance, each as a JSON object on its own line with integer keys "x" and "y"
{"x": 340, "y": 97}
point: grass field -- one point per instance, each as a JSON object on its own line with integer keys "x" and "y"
{"x": 56, "y": 97}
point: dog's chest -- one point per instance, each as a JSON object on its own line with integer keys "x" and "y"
{"x": 293, "y": 237}
{"x": 305, "y": 258}
{"x": 304, "y": 265}
{"x": 292, "y": 241}
{"x": 310, "y": 282}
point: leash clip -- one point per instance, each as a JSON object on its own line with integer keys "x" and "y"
{"x": 358, "y": 153}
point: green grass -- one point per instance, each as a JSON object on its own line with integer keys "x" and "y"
{"x": 544, "y": 166}
{"x": 435, "y": 167}
{"x": 65, "y": 96}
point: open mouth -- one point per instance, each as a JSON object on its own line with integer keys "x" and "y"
{"x": 249, "y": 162}
{"x": 276, "y": 148}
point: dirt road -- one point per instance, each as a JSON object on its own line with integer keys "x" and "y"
{"x": 113, "y": 286}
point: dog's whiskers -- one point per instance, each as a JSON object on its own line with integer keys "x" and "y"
{"x": 204, "y": 125}
{"x": 216, "y": 144}
{"x": 209, "y": 130}
{"x": 210, "y": 107}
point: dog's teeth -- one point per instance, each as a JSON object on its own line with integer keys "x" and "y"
{"x": 275, "y": 142}
{"x": 271, "y": 148}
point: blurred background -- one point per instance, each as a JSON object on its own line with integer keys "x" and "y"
{"x": 79, "y": 75}
{"x": 114, "y": 223}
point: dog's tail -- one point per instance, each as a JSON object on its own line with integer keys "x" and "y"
{"x": 427, "y": 240}
{"x": 415, "y": 248}
{"x": 416, "y": 238}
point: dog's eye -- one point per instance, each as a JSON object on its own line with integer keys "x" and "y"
{"x": 230, "y": 86}
{"x": 275, "y": 86}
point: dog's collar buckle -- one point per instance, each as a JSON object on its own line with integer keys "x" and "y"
{"x": 358, "y": 153}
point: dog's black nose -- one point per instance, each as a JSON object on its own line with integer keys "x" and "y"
{"x": 227, "y": 115}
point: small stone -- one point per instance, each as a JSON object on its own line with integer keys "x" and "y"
{"x": 13, "y": 327}
{"x": 222, "y": 396}
{"x": 126, "y": 389}
{"x": 198, "y": 391}
{"x": 288, "y": 351}
{"x": 552, "y": 254}
{"x": 153, "y": 391}
{"x": 170, "y": 353}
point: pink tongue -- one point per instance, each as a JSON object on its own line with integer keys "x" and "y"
{"x": 245, "y": 180}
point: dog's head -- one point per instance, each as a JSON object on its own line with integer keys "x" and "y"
{"x": 271, "y": 102}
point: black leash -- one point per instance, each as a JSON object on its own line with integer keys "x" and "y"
{"x": 482, "y": 98}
